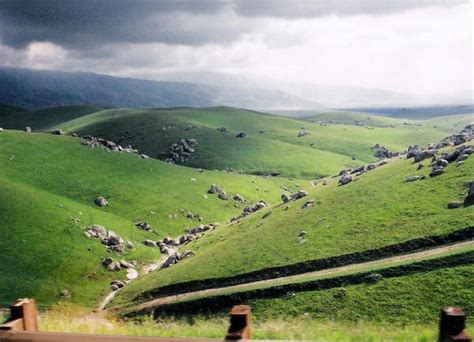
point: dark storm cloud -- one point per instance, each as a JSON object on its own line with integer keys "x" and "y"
{"x": 82, "y": 24}
{"x": 75, "y": 23}
{"x": 318, "y": 8}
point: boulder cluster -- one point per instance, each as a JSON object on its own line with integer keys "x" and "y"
{"x": 216, "y": 189}
{"x": 293, "y": 197}
{"x": 176, "y": 257}
{"x": 113, "y": 265}
{"x": 168, "y": 245}
{"x": 438, "y": 164}
{"x": 181, "y": 150}
{"x": 249, "y": 210}
{"x": 382, "y": 152}
{"x": 109, "y": 238}
{"x": 94, "y": 142}
{"x": 348, "y": 174}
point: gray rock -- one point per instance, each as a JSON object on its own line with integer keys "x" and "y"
{"x": 437, "y": 171}
{"x": 223, "y": 129}
{"x": 28, "y": 129}
{"x": 1, "y": 129}
{"x": 420, "y": 166}
{"x": 149, "y": 243}
{"x": 299, "y": 194}
{"x": 223, "y": 196}
{"x": 345, "y": 179}
{"x": 285, "y": 198}
{"x": 214, "y": 189}
{"x": 101, "y": 201}
{"x": 422, "y": 155}
{"x": 239, "y": 198}
{"x": 442, "y": 162}
{"x": 412, "y": 178}
{"x": 57, "y": 131}
{"x": 462, "y": 157}
{"x": 241, "y": 135}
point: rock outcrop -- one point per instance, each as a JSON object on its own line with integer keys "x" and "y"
{"x": 181, "y": 150}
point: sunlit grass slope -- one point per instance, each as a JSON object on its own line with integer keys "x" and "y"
{"x": 49, "y": 181}
{"x": 324, "y": 151}
{"x": 376, "y": 210}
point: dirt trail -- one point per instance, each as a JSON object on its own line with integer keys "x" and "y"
{"x": 385, "y": 262}
{"x": 146, "y": 269}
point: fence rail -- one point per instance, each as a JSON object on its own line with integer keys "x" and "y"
{"x": 22, "y": 326}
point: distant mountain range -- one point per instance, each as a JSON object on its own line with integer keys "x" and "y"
{"x": 35, "y": 89}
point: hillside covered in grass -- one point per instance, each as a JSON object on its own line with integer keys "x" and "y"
{"x": 272, "y": 145}
{"x": 48, "y": 187}
{"x": 379, "y": 208}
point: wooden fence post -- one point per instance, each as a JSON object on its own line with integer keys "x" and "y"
{"x": 240, "y": 323}
{"x": 452, "y": 324}
{"x": 23, "y": 316}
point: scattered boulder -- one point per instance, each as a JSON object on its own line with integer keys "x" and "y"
{"x": 1, "y": 129}
{"x": 223, "y": 196}
{"x": 28, "y": 129}
{"x": 345, "y": 179}
{"x": 57, "y": 131}
{"x": 437, "y": 170}
{"x": 149, "y": 243}
{"x": 442, "y": 162}
{"x": 239, "y": 198}
{"x": 116, "y": 284}
{"x": 302, "y": 133}
{"x": 110, "y": 264}
{"x": 412, "y": 178}
{"x": 144, "y": 226}
{"x": 469, "y": 200}
{"x": 223, "y": 129}
{"x": 299, "y": 194}
{"x": 422, "y": 155}
{"x": 214, "y": 189}
{"x": 285, "y": 198}
{"x": 108, "y": 238}
{"x": 241, "y": 135}
{"x": 420, "y": 166}
{"x": 101, "y": 201}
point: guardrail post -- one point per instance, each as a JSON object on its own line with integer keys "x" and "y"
{"x": 452, "y": 324}
{"x": 23, "y": 316}
{"x": 240, "y": 323}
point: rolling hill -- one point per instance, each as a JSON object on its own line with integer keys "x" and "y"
{"x": 48, "y": 186}
{"x": 321, "y": 151}
{"x": 358, "y": 226}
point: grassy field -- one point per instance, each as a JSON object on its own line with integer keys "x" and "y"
{"x": 48, "y": 181}
{"x": 376, "y": 210}
{"x": 396, "y": 309}
{"x": 48, "y": 185}
{"x": 324, "y": 151}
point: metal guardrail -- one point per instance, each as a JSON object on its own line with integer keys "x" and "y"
{"x": 22, "y": 326}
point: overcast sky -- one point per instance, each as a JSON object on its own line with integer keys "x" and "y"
{"x": 410, "y": 46}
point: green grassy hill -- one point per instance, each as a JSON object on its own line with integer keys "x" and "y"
{"x": 376, "y": 210}
{"x": 48, "y": 186}
{"x": 324, "y": 151}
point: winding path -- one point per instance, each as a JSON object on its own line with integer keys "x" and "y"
{"x": 309, "y": 276}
